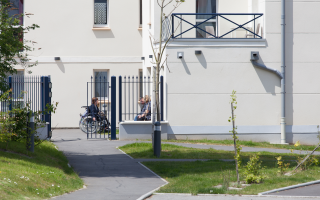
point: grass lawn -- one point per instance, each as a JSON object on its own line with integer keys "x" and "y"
{"x": 39, "y": 175}
{"x": 246, "y": 144}
{"x": 144, "y": 150}
{"x": 199, "y": 177}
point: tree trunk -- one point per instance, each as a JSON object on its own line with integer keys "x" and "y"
{"x": 234, "y": 142}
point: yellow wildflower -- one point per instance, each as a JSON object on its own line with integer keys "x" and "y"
{"x": 297, "y": 144}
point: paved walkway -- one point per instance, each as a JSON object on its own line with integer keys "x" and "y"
{"x": 107, "y": 173}
{"x": 110, "y": 174}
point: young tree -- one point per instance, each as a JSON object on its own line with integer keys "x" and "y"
{"x": 160, "y": 58}
{"x": 237, "y": 148}
{"x": 13, "y": 47}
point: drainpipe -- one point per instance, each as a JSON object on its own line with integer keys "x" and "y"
{"x": 255, "y": 58}
{"x": 283, "y": 66}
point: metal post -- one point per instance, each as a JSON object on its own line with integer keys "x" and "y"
{"x": 153, "y": 101}
{"x": 31, "y": 131}
{"x": 157, "y": 139}
{"x": 45, "y": 99}
{"x": 172, "y": 18}
{"x": 120, "y": 99}
{"x": 161, "y": 97}
{"x": 283, "y": 66}
{"x": 113, "y": 108}
{"x": 49, "y": 101}
{"x": 10, "y": 94}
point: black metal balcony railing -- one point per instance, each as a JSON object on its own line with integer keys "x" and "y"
{"x": 215, "y": 25}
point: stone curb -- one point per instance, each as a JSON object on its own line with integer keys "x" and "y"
{"x": 289, "y": 187}
{"x": 217, "y": 195}
{"x": 152, "y": 191}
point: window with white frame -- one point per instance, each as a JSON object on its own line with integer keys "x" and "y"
{"x": 100, "y": 13}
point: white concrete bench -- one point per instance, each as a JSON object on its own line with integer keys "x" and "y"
{"x": 131, "y": 130}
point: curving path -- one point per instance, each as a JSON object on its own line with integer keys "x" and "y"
{"x": 107, "y": 173}
{"x": 110, "y": 174}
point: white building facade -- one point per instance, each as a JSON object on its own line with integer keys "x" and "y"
{"x": 215, "y": 61}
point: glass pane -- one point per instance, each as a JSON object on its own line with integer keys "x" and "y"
{"x": 205, "y": 6}
{"x": 100, "y": 12}
{"x": 101, "y": 84}
{"x": 15, "y": 8}
{"x": 209, "y": 27}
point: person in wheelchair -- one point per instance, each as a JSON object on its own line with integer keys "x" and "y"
{"x": 93, "y": 109}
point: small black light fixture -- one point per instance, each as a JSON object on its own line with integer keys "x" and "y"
{"x": 150, "y": 56}
{"x": 142, "y": 58}
{"x": 56, "y": 58}
{"x": 198, "y": 52}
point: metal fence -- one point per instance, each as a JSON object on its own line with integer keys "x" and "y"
{"x": 217, "y": 25}
{"x": 32, "y": 90}
{"x": 131, "y": 89}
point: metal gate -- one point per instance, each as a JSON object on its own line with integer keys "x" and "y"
{"x": 100, "y": 125}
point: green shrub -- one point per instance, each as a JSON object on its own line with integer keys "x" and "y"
{"x": 253, "y": 169}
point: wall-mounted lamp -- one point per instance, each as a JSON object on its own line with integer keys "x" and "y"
{"x": 142, "y": 58}
{"x": 198, "y": 52}
{"x": 56, "y": 58}
{"x": 180, "y": 55}
{"x": 150, "y": 56}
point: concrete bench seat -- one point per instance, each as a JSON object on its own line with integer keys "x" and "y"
{"x": 131, "y": 130}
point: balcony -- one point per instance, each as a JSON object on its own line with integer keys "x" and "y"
{"x": 214, "y": 26}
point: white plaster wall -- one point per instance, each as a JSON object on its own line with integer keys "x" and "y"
{"x": 199, "y": 86}
{"x": 66, "y": 31}
{"x": 66, "y": 28}
{"x": 231, "y": 6}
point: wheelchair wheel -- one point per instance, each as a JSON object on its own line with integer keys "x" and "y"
{"x": 87, "y": 125}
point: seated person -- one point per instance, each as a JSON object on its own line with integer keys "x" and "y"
{"x": 145, "y": 114}
{"x": 93, "y": 109}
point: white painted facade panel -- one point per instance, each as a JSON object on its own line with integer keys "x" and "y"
{"x": 198, "y": 87}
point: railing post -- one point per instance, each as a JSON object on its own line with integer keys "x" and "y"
{"x": 45, "y": 99}
{"x": 113, "y": 108}
{"x": 31, "y": 131}
{"x": 161, "y": 97}
{"x": 120, "y": 99}
{"x": 10, "y": 94}
{"x": 49, "y": 102}
{"x": 172, "y": 18}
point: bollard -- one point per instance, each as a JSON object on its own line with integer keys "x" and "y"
{"x": 157, "y": 139}
{"x": 31, "y": 131}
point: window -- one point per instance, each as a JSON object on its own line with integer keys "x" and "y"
{"x": 16, "y": 9}
{"x": 100, "y": 13}
{"x": 101, "y": 85}
{"x": 206, "y": 6}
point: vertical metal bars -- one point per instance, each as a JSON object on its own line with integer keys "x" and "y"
{"x": 131, "y": 89}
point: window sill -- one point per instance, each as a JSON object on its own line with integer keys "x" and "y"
{"x": 101, "y": 29}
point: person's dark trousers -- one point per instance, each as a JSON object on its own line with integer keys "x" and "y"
{"x": 141, "y": 119}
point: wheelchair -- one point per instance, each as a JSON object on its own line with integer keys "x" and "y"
{"x": 88, "y": 125}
